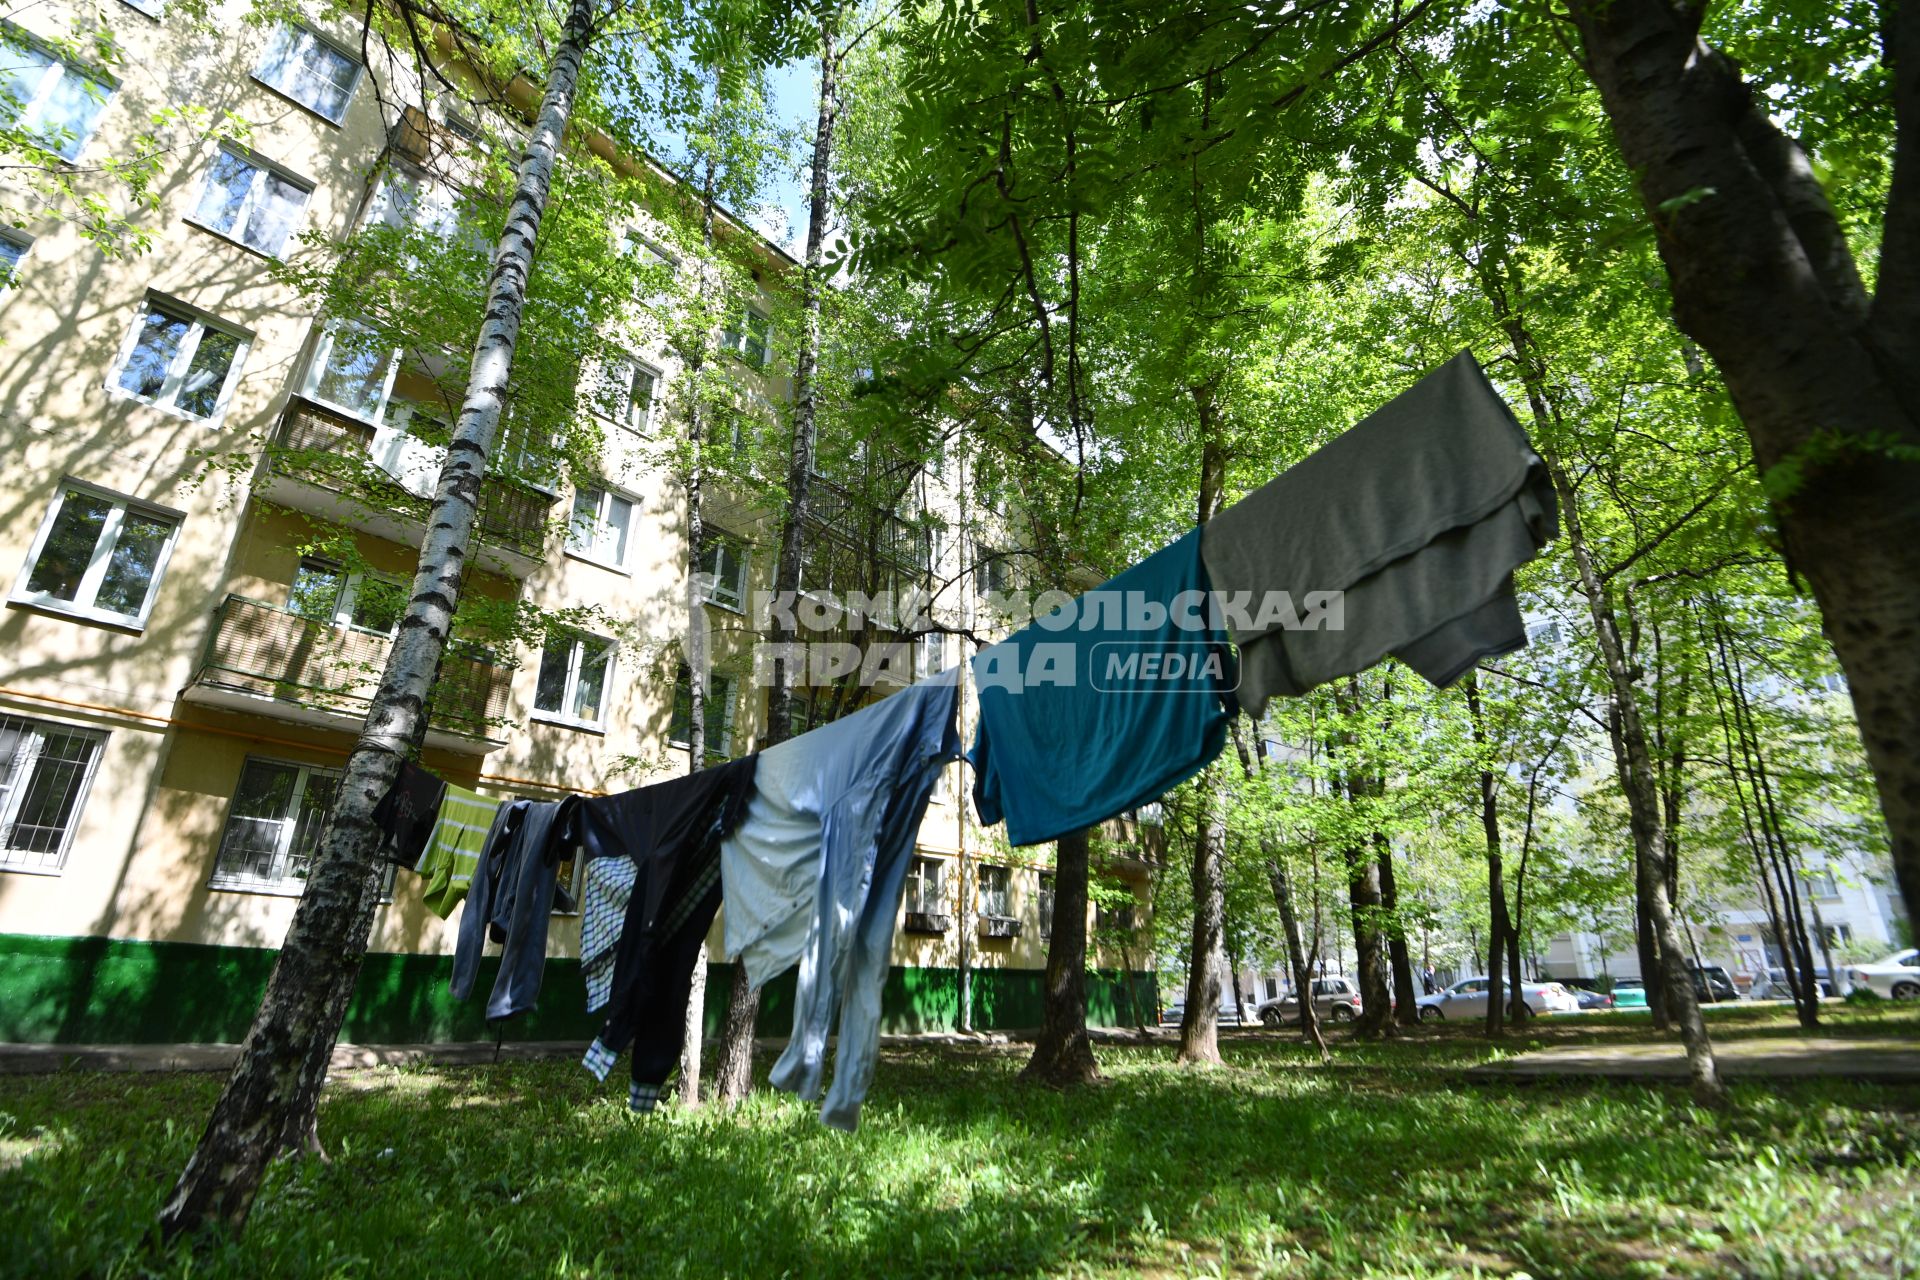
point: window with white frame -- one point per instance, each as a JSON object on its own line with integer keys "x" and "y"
{"x": 410, "y": 200}
{"x": 929, "y": 654}
{"x": 572, "y": 684}
{"x": 151, "y": 8}
{"x": 927, "y": 886}
{"x": 1823, "y": 883}
{"x": 716, "y": 713}
{"x": 179, "y": 359}
{"x": 351, "y": 370}
{"x": 248, "y": 200}
{"x": 1046, "y": 904}
{"x": 648, "y": 251}
{"x": 13, "y": 250}
{"x": 601, "y": 525}
{"x": 44, "y": 771}
{"x": 723, "y": 569}
{"x": 749, "y": 335}
{"x": 310, "y": 70}
{"x": 274, "y": 825}
{"x": 996, "y": 891}
{"x": 620, "y": 389}
{"x": 98, "y": 555}
{"x": 47, "y": 97}
{"x": 326, "y": 592}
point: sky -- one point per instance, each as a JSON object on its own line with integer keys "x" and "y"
{"x": 783, "y": 217}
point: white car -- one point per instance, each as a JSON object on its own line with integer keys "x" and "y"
{"x": 1467, "y": 999}
{"x": 1897, "y": 977}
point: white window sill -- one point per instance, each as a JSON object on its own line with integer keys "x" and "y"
{"x": 117, "y": 392}
{"x": 609, "y": 565}
{"x": 567, "y": 722}
{"x": 237, "y": 243}
{"x": 284, "y": 96}
{"x": 23, "y": 870}
{"x": 264, "y": 890}
{"x": 77, "y": 613}
{"x": 738, "y": 609}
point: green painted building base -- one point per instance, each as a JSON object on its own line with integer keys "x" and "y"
{"x": 114, "y": 991}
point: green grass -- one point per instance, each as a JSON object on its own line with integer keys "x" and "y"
{"x": 1391, "y": 1163}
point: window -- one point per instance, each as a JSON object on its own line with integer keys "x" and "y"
{"x": 927, "y": 886}
{"x": 12, "y": 251}
{"x": 929, "y": 654}
{"x": 649, "y": 253}
{"x": 98, "y": 555}
{"x": 723, "y": 570}
{"x": 44, "y": 770}
{"x": 151, "y": 8}
{"x": 1046, "y": 904}
{"x": 572, "y": 685}
{"x": 1839, "y": 935}
{"x": 602, "y": 521}
{"x": 326, "y": 593}
{"x": 310, "y": 71}
{"x": 995, "y": 576}
{"x": 750, "y": 336}
{"x": 409, "y": 200}
{"x": 1114, "y": 919}
{"x": 620, "y": 389}
{"x": 716, "y": 712}
{"x": 248, "y": 201}
{"x": 177, "y": 359}
{"x": 996, "y": 893}
{"x": 45, "y": 97}
{"x": 273, "y": 827}
{"x": 352, "y": 370}
{"x": 1823, "y": 884}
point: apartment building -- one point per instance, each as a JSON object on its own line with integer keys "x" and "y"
{"x": 181, "y": 677}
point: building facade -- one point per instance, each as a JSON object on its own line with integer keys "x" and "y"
{"x": 181, "y": 676}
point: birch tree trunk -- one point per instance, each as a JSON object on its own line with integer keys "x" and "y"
{"x": 1497, "y": 922}
{"x": 735, "y": 1074}
{"x": 1199, "y": 1020}
{"x": 284, "y": 1056}
{"x": 1826, "y": 377}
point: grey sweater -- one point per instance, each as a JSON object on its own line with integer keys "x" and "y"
{"x": 1419, "y": 515}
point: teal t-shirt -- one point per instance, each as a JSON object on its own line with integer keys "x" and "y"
{"x": 1103, "y": 705}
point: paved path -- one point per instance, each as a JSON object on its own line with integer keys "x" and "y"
{"x": 35, "y": 1059}
{"x": 1880, "y": 1058}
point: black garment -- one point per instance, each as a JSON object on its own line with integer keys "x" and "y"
{"x": 511, "y": 897}
{"x": 672, "y": 831}
{"x": 406, "y": 814}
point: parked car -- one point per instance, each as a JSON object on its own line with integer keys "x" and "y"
{"x": 1467, "y": 999}
{"x": 1631, "y": 994}
{"x": 1590, "y": 999}
{"x": 1897, "y": 977}
{"x": 1229, "y": 1015}
{"x": 1712, "y": 982}
{"x": 1773, "y": 984}
{"x": 1334, "y": 1000}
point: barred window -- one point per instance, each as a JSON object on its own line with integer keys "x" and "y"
{"x": 274, "y": 825}
{"x": 927, "y": 886}
{"x": 44, "y": 771}
{"x": 996, "y": 895}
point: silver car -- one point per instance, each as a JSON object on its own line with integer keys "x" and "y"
{"x": 1334, "y": 1000}
{"x": 1467, "y": 998}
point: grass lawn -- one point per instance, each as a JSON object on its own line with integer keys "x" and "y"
{"x": 1389, "y": 1163}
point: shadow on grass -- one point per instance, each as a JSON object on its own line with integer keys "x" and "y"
{"x": 1265, "y": 1164}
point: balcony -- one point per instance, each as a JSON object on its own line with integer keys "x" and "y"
{"x": 320, "y": 457}
{"x": 270, "y": 661}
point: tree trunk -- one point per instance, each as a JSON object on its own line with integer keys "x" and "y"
{"x": 743, "y": 1008}
{"x": 1298, "y": 966}
{"x": 283, "y": 1058}
{"x": 1199, "y": 1029}
{"x": 693, "y": 1035}
{"x": 1406, "y": 1009}
{"x": 1643, "y": 802}
{"x": 1063, "y": 1055}
{"x": 1497, "y": 924}
{"x": 1826, "y": 380}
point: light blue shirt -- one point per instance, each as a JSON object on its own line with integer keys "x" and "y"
{"x": 814, "y": 875}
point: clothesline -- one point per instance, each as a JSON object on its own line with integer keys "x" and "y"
{"x": 1416, "y": 520}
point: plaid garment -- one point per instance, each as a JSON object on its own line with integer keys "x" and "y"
{"x": 609, "y": 887}
{"x": 599, "y": 1059}
{"x": 642, "y": 1097}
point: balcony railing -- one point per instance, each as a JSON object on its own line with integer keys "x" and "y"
{"x": 331, "y": 450}
{"x": 272, "y": 652}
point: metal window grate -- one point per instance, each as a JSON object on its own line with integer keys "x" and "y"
{"x": 44, "y": 772}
